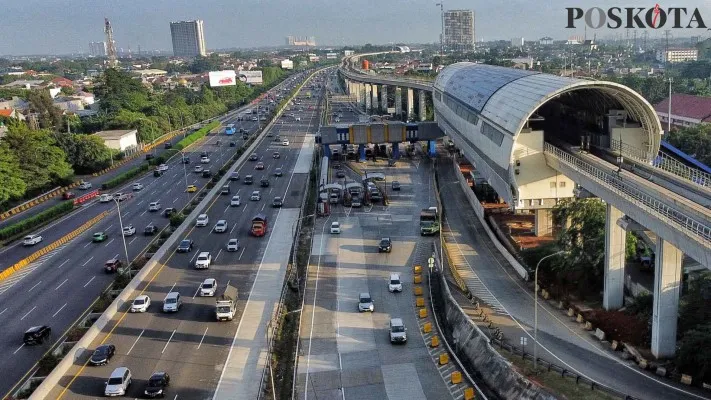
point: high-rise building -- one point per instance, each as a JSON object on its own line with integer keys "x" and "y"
{"x": 97, "y": 49}
{"x": 301, "y": 41}
{"x": 188, "y": 38}
{"x": 459, "y": 30}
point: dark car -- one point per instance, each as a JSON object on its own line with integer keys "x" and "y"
{"x": 340, "y": 174}
{"x": 168, "y": 212}
{"x": 233, "y": 144}
{"x": 264, "y": 182}
{"x": 225, "y": 190}
{"x": 396, "y": 185}
{"x": 168, "y": 145}
{"x": 253, "y": 157}
{"x": 150, "y": 156}
{"x": 150, "y": 230}
{"x": 204, "y": 154}
{"x": 385, "y": 245}
{"x": 234, "y": 176}
{"x": 278, "y": 202}
{"x": 206, "y": 173}
{"x": 185, "y": 246}
{"x": 186, "y": 160}
{"x": 248, "y": 180}
{"x": 68, "y": 195}
{"x": 157, "y": 173}
{"x": 112, "y": 265}
{"x": 37, "y": 335}
{"x": 102, "y": 354}
{"x": 156, "y": 384}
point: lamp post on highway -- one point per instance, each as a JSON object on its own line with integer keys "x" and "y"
{"x": 123, "y": 237}
{"x": 535, "y": 308}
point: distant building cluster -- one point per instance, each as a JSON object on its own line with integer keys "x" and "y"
{"x": 188, "y": 38}
{"x": 677, "y": 55}
{"x": 459, "y": 30}
{"x": 97, "y": 49}
{"x": 301, "y": 41}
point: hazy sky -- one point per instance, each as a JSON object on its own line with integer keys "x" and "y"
{"x": 54, "y": 26}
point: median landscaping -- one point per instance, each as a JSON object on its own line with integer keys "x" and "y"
{"x": 28, "y": 224}
{"x": 124, "y": 177}
{"x": 197, "y": 135}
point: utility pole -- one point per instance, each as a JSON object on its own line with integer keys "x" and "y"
{"x": 669, "y": 104}
{"x": 441, "y": 35}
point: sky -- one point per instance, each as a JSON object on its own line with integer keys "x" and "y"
{"x": 67, "y": 26}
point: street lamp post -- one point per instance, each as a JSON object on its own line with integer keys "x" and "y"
{"x": 535, "y": 307}
{"x": 123, "y": 237}
{"x": 441, "y": 35}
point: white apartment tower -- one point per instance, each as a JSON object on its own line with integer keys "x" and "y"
{"x": 188, "y": 38}
{"x": 459, "y": 30}
{"x": 97, "y": 49}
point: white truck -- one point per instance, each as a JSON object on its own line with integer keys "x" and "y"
{"x": 226, "y": 304}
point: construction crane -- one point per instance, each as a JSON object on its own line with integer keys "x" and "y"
{"x": 110, "y": 45}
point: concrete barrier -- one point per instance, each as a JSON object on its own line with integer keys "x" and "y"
{"x": 77, "y": 353}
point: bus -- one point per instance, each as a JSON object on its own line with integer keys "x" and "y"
{"x": 230, "y": 129}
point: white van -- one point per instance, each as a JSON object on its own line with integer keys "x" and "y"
{"x": 172, "y": 302}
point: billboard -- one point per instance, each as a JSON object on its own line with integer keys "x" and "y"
{"x": 222, "y": 78}
{"x": 250, "y": 77}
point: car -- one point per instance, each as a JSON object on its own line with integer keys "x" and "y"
{"x": 150, "y": 230}
{"x": 206, "y": 173}
{"x": 191, "y": 189}
{"x": 198, "y": 169}
{"x": 285, "y": 142}
{"x": 365, "y": 302}
{"x": 395, "y": 284}
{"x": 335, "y": 227}
{"x": 84, "y": 185}
{"x": 105, "y": 198}
{"x": 260, "y": 166}
{"x": 168, "y": 212}
{"x": 204, "y": 154}
{"x": 155, "y": 387}
{"x": 31, "y": 240}
{"x": 276, "y": 155}
{"x": 264, "y": 182}
{"x": 256, "y": 196}
{"x": 233, "y": 245}
{"x": 185, "y": 160}
{"x": 340, "y": 174}
{"x": 255, "y": 118}
{"x": 277, "y": 172}
{"x": 99, "y": 237}
{"x": 150, "y": 156}
{"x": 253, "y": 157}
{"x": 118, "y": 382}
{"x": 140, "y": 304}
{"x": 234, "y": 176}
{"x": 154, "y": 206}
{"x": 385, "y": 246}
{"x": 248, "y": 180}
{"x": 298, "y": 118}
{"x": 68, "y": 195}
{"x": 208, "y": 287}
{"x": 185, "y": 246}
{"x": 172, "y": 302}
{"x": 396, "y": 185}
{"x": 398, "y": 332}
{"x": 233, "y": 144}
{"x": 220, "y": 226}
{"x": 168, "y": 145}
{"x": 277, "y": 202}
{"x": 36, "y": 335}
{"x": 137, "y": 186}
{"x": 204, "y": 160}
{"x": 264, "y": 118}
{"x": 112, "y": 265}
{"x": 129, "y": 230}
{"x": 277, "y": 139}
{"x": 163, "y": 167}
{"x": 157, "y": 173}
{"x": 235, "y": 202}
{"x": 202, "y": 220}
{"x": 102, "y": 354}
{"x": 204, "y": 259}
{"x": 270, "y": 134}
{"x": 225, "y": 190}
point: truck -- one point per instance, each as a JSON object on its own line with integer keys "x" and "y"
{"x": 259, "y": 225}
{"x": 226, "y": 304}
{"x": 429, "y": 221}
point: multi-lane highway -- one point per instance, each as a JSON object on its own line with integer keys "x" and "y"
{"x": 59, "y": 287}
{"x": 190, "y": 344}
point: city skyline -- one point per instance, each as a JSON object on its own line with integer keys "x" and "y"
{"x": 414, "y": 21}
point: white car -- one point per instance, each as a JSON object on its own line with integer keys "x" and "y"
{"x": 203, "y": 260}
{"x": 84, "y": 185}
{"x": 129, "y": 230}
{"x": 395, "y": 284}
{"x": 197, "y": 169}
{"x": 105, "y": 198}
{"x": 137, "y": 186}
{"x": 298, "y": 118}
{"x": 141, "y": 303}
{"x": 235, "y": 202}
{"x": 220, "y": 226}
{"x": 256, "y": 196}
{"x": 163, "y": 167}
{"x": 202, "y": 220}
{"x": 233, "y": 245}
{"x": 285, "y": 142}
{"x": 204, "y": 160}
{"x": 398, "y": 332}
{"x": 154, "y": 206}
{"x": 31, "y": 240}
{"x": 208, "y": 287}
{"x": 118, "y": 382}
{"x": 335, "y": 227}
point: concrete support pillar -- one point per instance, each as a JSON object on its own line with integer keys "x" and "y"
{"x": 410, "y": 103}
{"x": 432, "y": 148}
{"x": 613, "y": 296}
{"x": 396, "y": 150}
{"x": 348, "y": 87}
{"x": 368, "y": 98}
{"x": 398, "y": 101}
{"x": 376, "y": 107}
{"x": 542, "y": 223}
{"x": 361, "y": 152}
{"x": 667, "y": 288}
{"x": 384, "y": 99}
{"x": 422, "y": 106}
{"x": 327, "y": 151}
{"x": 361, "y": 94}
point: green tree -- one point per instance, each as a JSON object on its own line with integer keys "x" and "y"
{"x": 695, "y": 304}
{"x": 86, "y": 153}
{"x": 694, "y": 355}
{"x": 50, "y": 117}
{"x": 206, "y": 64}
{"x": 67, "y": 91}
{"x": 695, "y": 141}
{"x": 11, "y": 184}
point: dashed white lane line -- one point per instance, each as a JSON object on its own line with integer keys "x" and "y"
{"x": 36, "y": 284}
{"x": 135, "y": 341}
{"x": 28, "y": 313}
{"x": 60, "y": 309}
{"x": 87, "y": 261}
{"x": 87, "y": 284}
{"x": 168, "y": 342}
{"x": 200, "y": 344}
{"x": 60, "y": 285}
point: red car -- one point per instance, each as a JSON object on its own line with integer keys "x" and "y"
{"x": 68, "y": 195}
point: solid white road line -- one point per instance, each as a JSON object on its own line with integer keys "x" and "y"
{"x": 62, "y": 308}
{"x": 201, "y": 339}
{"x": 87, "y": 261}
{"x": 87, "y": 284}
{"x": 136, "y": 341}
{"x": 28, "y": 313}
{"x": 166, "y": 343}
{"x": 60, "y": 285}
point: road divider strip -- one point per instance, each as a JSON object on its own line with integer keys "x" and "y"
{"x": 52, "y": 246}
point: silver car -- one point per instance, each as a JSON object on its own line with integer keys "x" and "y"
{"x": 220, "y": 226}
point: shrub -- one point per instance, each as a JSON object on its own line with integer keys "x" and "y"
{"x": 121, "y": 281}
{"x": 75, "y": 334}
{"x": 118, "y": 180}
{"x": 47, "y": 364}
{"x": 165, "y": 234}
{"x": 177, "y": 219}
{"x": 193, "y": 137}
{"x": 31, "y": 223}
{"x": 210, "y": 185}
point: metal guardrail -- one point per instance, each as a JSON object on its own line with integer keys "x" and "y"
{"x": 671, "y": 215}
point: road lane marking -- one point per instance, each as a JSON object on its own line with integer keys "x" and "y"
{"x": 86, "y": 245}
{"x": 18, "y": 349}
{"x": 245, "y": 207}
{"x": 233, "y": 228}
{"x": 60, "y": 265}
{"x": 218, "y": 254}
{"x": 107, "y": 244}
{"x": 60, "y": 285}
{"x": 174, "y": 200}
{"x": 28, "y": 313}
{"x": 109, "y": 227}
{"x": 92, "y": 278}
{"x": 201, "y": 339}
{"x": 196, "y": 253}
{"x": 136, "y": 341}
{"x": 62, "y": 308}
{"x": 3, "y": 311}
{"x": 87, "y": 261}
{"x": 263, "y": 205}
{"x": 139, "y": 203}
{"x": 34, "y": 286}
{"x": 144, "y": 212}
{"x": 172, "y": 287}
{"x": 240, "y": 254}
{"x": 136, "y": 237}
{"x": 168, "y": 342}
